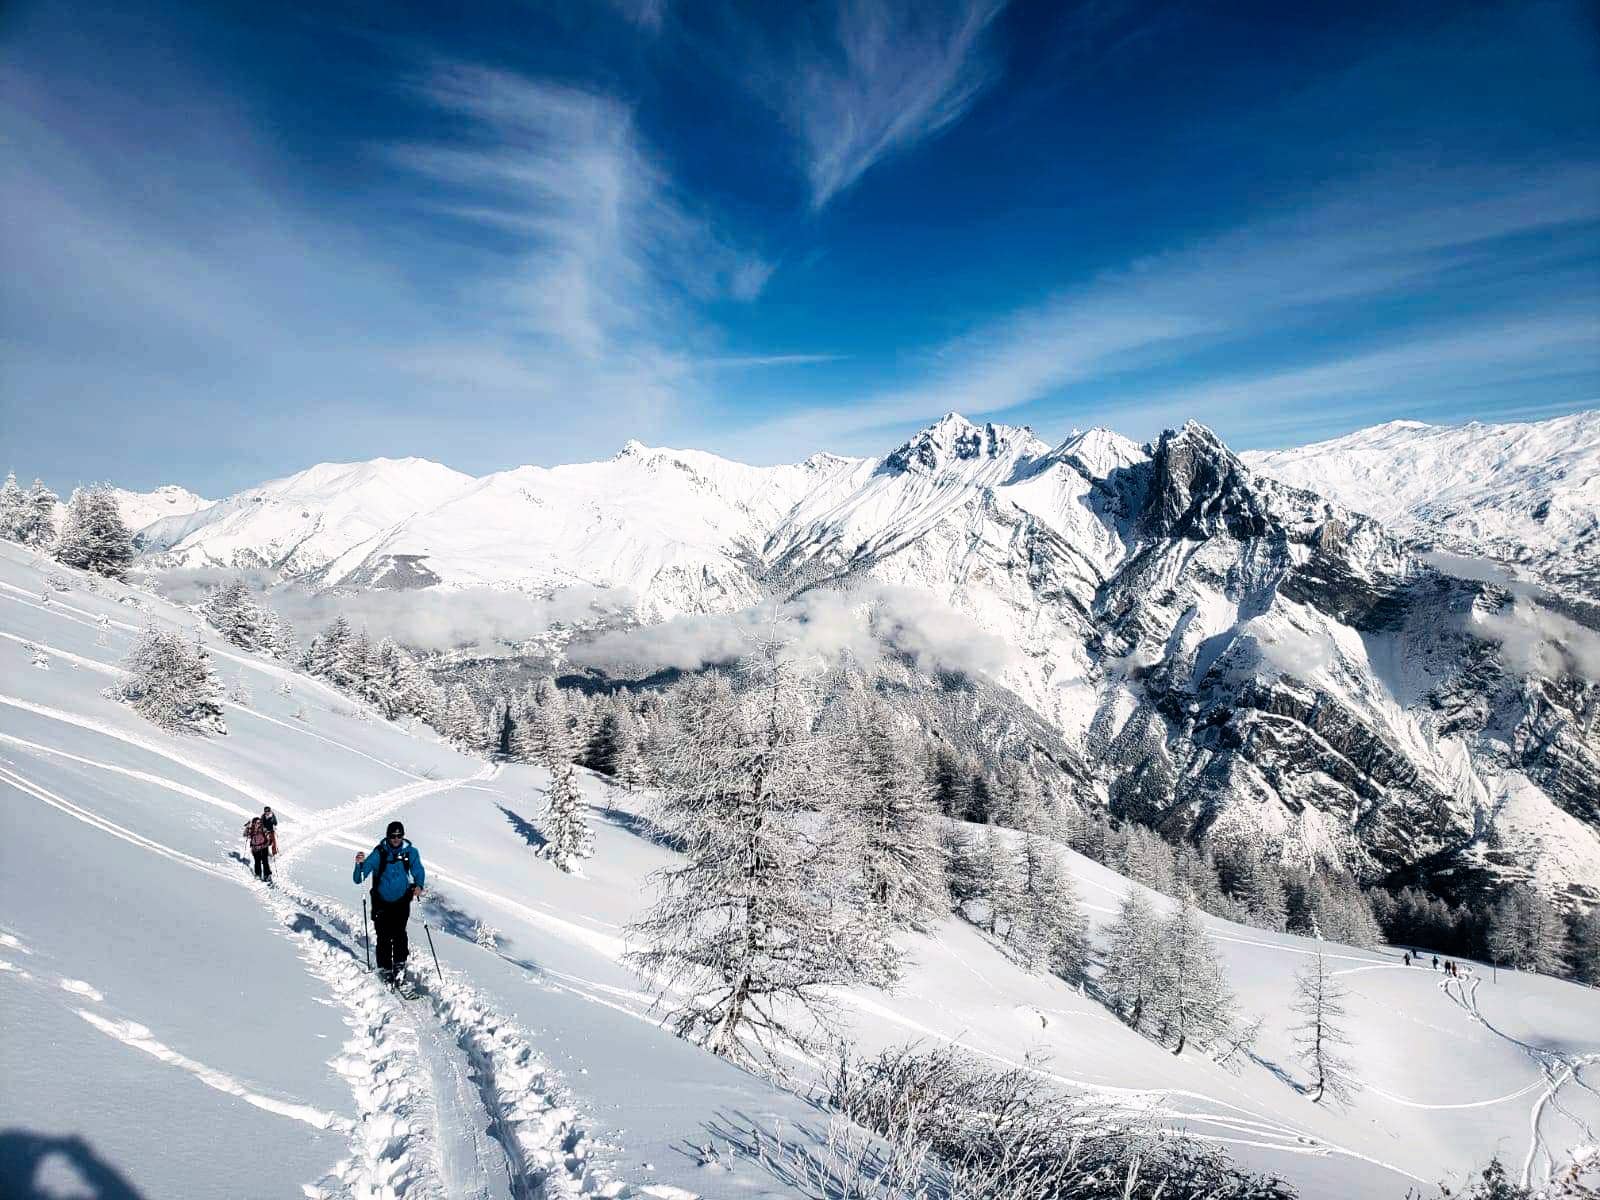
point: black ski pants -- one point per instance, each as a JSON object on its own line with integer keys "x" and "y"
{"x": 389, "y": 919}
{"x": 263, "y": 864}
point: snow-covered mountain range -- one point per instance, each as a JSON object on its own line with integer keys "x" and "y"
{"x": 1218, "y": 650}
{"x": 1526, "y": 495}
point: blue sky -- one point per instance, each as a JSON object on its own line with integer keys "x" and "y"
{"x": 242, "y": 238}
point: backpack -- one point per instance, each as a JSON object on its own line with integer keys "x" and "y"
{"x": 402, "y": 855}
{"x": 256, "y": 834}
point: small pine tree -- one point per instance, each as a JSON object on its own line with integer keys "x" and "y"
{"x": 1319, "y": 999}
{"x": 1129, "y": 978}
{"x": 94, "y": 537}
{"x": 1050, "y": 929}
{"x": 1001, "y": 891}
{"x": 568, "y": 837}
{"x": 1526, "y": 932}
{"x": 1192, "y": 1001}
{"x": 898, "y": 844}
{"x": 1583, "y": 941}
{"x": 171, "y": 683}
{"x": 751, "y": 930}
{"x": 963, "y": 863}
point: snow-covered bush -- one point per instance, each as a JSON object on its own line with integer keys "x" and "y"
{"x": 1006, "y": 1134}
{"x": 171, "y": 683}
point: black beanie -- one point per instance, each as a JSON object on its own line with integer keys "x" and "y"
{"x": 394, "y": 828}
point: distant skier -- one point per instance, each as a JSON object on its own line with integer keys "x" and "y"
{"x": 1408, "y": 958}
{"x": 1435, "y": 962}
{"x": 269, "y": 822}
{"x": 397, "y": 878}
{"x": 260, "y": 847}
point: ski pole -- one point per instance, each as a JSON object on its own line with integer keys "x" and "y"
{"x": 366, "y": 942}
{"x": 433, "y": 952}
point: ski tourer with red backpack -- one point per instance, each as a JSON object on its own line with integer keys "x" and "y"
{"x": 397, "y": 878}
{"x": 260, "y": 849}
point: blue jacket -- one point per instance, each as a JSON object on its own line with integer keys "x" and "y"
{"x": 395, "y": 881}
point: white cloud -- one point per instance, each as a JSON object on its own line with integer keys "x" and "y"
{"x": 1533, "y": 640}
{"x": 882, "y": 78}
{"x": 823, "y": 625}
{"x": 1292, "y": 651}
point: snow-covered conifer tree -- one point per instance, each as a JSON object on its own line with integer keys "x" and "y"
{"x": 568, "y": 837}
{"x": 463, "y": 723}
{"x": 1020, "y": 803}
{"x": 328, "y": 656}
{"x": 236, "y": 615}
{"x": 751, "y": 926}
{"x": 600, "y": 750}
{"x": 1319, "y": 999}
{"x": 898, "y": 839}
{"x": 94, "y": 537}
{"x": 630, "y": 766}
{"x": 1000, "y": 890}
{"x": 1050, "y": 929}
{"x": 1192, "y": 1002}
{"x": 170, "y": 682}
{"x": 15, "y": 515}
{"x": 1130, "y": 968}
{"x": 963, "y": 863}
{"x": 1583, "y": 946}
{"x": 950, "y": 781}
{"x": 39, "y": 528}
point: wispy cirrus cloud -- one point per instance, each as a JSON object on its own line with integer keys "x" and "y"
{"x": 878, "y": 78}
{"x": 607, "y": 252}
{"x": 1197, "y": 310}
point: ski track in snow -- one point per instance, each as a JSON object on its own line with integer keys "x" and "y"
{"x": 1556, "y": 1071}
{"x": 105, "y": 729}
{"x": 130, "y": 773}
{"x": 397, "y": 1139}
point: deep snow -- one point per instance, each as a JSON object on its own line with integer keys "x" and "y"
{"x": 174, "y": 1024}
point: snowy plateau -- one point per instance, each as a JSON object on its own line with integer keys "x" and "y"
{"x": 1192, "y": 640}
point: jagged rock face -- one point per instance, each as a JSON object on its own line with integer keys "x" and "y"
{"x": 1239, "y": 658}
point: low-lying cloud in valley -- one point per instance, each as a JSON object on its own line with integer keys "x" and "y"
{"x": 863, "y": 624}
{"x": 1534, "y": 640}
{"x": 424, "y": 619}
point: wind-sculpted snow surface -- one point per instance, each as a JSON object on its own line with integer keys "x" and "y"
{"x": 179, "y": 1027}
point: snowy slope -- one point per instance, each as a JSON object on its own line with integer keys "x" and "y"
{"x": 305, "y": 520}
{"x": 1525, "y": 494}
{"x": 145, "y": 965}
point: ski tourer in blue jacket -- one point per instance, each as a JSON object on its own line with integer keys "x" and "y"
{"x": 396, "y": 863}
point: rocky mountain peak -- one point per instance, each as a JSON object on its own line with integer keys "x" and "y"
{"x": 953, "y": 440}
{"x": 1198, "y": 487}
